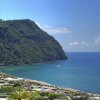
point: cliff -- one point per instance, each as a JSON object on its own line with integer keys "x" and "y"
{"x": 23, "y": 42}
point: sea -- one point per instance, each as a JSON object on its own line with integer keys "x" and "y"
{"x": 80, "y": 71}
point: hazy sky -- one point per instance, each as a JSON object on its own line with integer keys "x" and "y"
{"x": 74, "y": 23}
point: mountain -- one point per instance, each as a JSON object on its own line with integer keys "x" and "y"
{"x": 23, "y": 42}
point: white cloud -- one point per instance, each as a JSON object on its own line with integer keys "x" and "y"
{"x": 97, "y": 40}
{"x": 84, "y": 43}
{"x": 77, "y": 43}
{"x": 38, "y": 24}
{"x": 57, "y": 30}
{"x": 52, "y": 30}
{"x": 46, "y": 26}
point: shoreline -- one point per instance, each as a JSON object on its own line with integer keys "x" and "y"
{"x": 44, "y": 87}
{"x": 34, "y": 63}
{"x": 48, "y": 84}
{"x": 71, "y": 89}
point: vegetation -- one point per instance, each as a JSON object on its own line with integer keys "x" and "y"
{"x": 15, "y": 89}
{"x": 79, "y": 96}
{"x": 36, "y": 96}
{"x": 9, "y": 89}
{"x": 23, "y": 42}
{"x": 19, "y": 95}
{"x": 16, "y": 83}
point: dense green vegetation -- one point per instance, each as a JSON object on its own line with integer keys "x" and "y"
{"x": 23, "y": 95}
{"x": 44, "y": 96}
{"x": 9, "y": 89}
{"x": 23, "y": 42}
{"x": 19, "y": 95}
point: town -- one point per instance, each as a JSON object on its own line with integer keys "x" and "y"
{"x": 10, "y": 86}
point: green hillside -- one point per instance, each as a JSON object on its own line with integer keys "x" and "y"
{"x": 23, "y": 42}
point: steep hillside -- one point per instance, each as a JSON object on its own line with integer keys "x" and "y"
{"x": 23, "y": 42}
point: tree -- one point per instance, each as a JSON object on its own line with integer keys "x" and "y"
{"x": 19, "y": 95}
{"x": 36, "y": 96}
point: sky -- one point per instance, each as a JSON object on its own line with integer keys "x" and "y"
{"x": 75, "y": 24}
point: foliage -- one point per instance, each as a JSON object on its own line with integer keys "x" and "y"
{"x": 82, "y": 96}
{"x": 19, "y": 95}
{"x": 6, "y": 89}
{"x": 23, "y": 42}
{"x": 17, "y": 83}
{"x": 36, "y": 96}
{"x": 44, "y": 96}
{"x": 53, "y": 96}
{"x": 9, "y": 89}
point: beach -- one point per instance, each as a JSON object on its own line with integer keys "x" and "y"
{"x": 35, "y": 85}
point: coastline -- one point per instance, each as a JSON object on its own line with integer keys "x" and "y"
{"x": 34, "y": 63}
{"x": 46, "y": 87}
{"x": 70, "y": 89}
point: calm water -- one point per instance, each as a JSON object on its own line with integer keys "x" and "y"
{"x": 81, "y": 71}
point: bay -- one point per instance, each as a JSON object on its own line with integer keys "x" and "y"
{"x": 81, "y": 71}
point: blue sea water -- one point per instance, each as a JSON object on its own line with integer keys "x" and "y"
{"x": 81, "y": 71}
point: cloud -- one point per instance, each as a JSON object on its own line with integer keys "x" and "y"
{"x": 84, "y": 43}
{"x": 58, "y": 30}
{"x": 77, "y": 43}
{"x": 54, "y": 30}
{"x": 38, "y": 24}
{"x": 97, "y": 40}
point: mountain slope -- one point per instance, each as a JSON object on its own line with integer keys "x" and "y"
{"x": 23, "y": 42}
